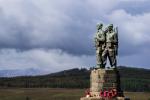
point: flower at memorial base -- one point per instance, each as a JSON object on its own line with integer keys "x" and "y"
{"x": 101, "y": 93}
{"x": 87, "y": 93}
{"x": 105, "y": 93}
{"x": 110, "y": 94}
{"x": 114, "y": 92}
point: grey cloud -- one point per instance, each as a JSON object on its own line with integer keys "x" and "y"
{"x": 66, "y": 25}
{"x": 51, "y": 24}
{"x": 69, "y": 26}
{"x": 140, "y": 60}
{"x": 133, "y": 31}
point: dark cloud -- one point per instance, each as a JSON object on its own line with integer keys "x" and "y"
{"x": 68, "y": 26}
{"x": 50, "y": 25}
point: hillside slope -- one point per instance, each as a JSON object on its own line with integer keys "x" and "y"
{"x": 133, "y": 79}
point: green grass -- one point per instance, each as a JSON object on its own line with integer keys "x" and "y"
{"x": 56, "y": 94}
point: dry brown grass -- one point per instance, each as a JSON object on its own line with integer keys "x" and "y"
{"x": 56, "y": 94}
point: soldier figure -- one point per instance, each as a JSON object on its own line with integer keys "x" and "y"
{"x": 100, "y": 39}
{"x": 111, "y": 49}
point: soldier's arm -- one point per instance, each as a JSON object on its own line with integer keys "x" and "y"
{"x": 97, "y": 37}
{"x": 100, "y": 39}
{"x": 96, "y": 41}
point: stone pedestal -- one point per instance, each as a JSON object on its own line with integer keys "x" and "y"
{"x": 104, "y": 80}
{"x": 100, "y": 98}
{"x": 105, "y": 85}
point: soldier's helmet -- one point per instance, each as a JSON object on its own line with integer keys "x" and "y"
{"x": 110, "y": 25}
{"x": 99, "y": 25}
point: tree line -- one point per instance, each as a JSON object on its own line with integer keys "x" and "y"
{"x": 132, "y": 79}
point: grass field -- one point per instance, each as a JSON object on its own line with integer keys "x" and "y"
{"x": 56, "y": 94}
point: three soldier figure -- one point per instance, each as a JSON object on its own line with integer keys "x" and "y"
{"x": 106, "y": 43}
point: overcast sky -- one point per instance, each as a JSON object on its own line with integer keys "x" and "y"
{"x": 54, "y": 35}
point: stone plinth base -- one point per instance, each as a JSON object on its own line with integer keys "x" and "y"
{"x": 102, "y": 79}
{"x": 105, "y": 80}
{"x": 100, "y": 98}
{"x": 91, "y": 98}
{"x": 105, "y": 85}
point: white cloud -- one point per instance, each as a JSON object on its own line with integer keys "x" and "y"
{"x": 134, "y": 28}
{"x": 46, "y": 60}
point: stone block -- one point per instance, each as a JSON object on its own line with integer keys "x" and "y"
{"x": 100, "y": 98}
{"x": 91, "y": 98}
{"x": 103, "y": 79}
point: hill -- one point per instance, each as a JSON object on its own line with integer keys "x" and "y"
{"x": 133, "y": 79}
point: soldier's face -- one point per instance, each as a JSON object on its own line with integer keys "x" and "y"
{"x": 100, "y": 27}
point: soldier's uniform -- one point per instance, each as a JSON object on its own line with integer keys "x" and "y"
{"x": 111, "y": 48}
{"x": 100, "y": 46}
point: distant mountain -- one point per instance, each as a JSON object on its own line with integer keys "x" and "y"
{"x": 20, "y": 72}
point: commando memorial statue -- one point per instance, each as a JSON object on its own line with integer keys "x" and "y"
{"x": 105, "y": 82}
{"x": 106, "y": 43}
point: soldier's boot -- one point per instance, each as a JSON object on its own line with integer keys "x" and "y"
{"x": 102, "y": 66}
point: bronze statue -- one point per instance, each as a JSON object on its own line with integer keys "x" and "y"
{"x": 106, "y": 42}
